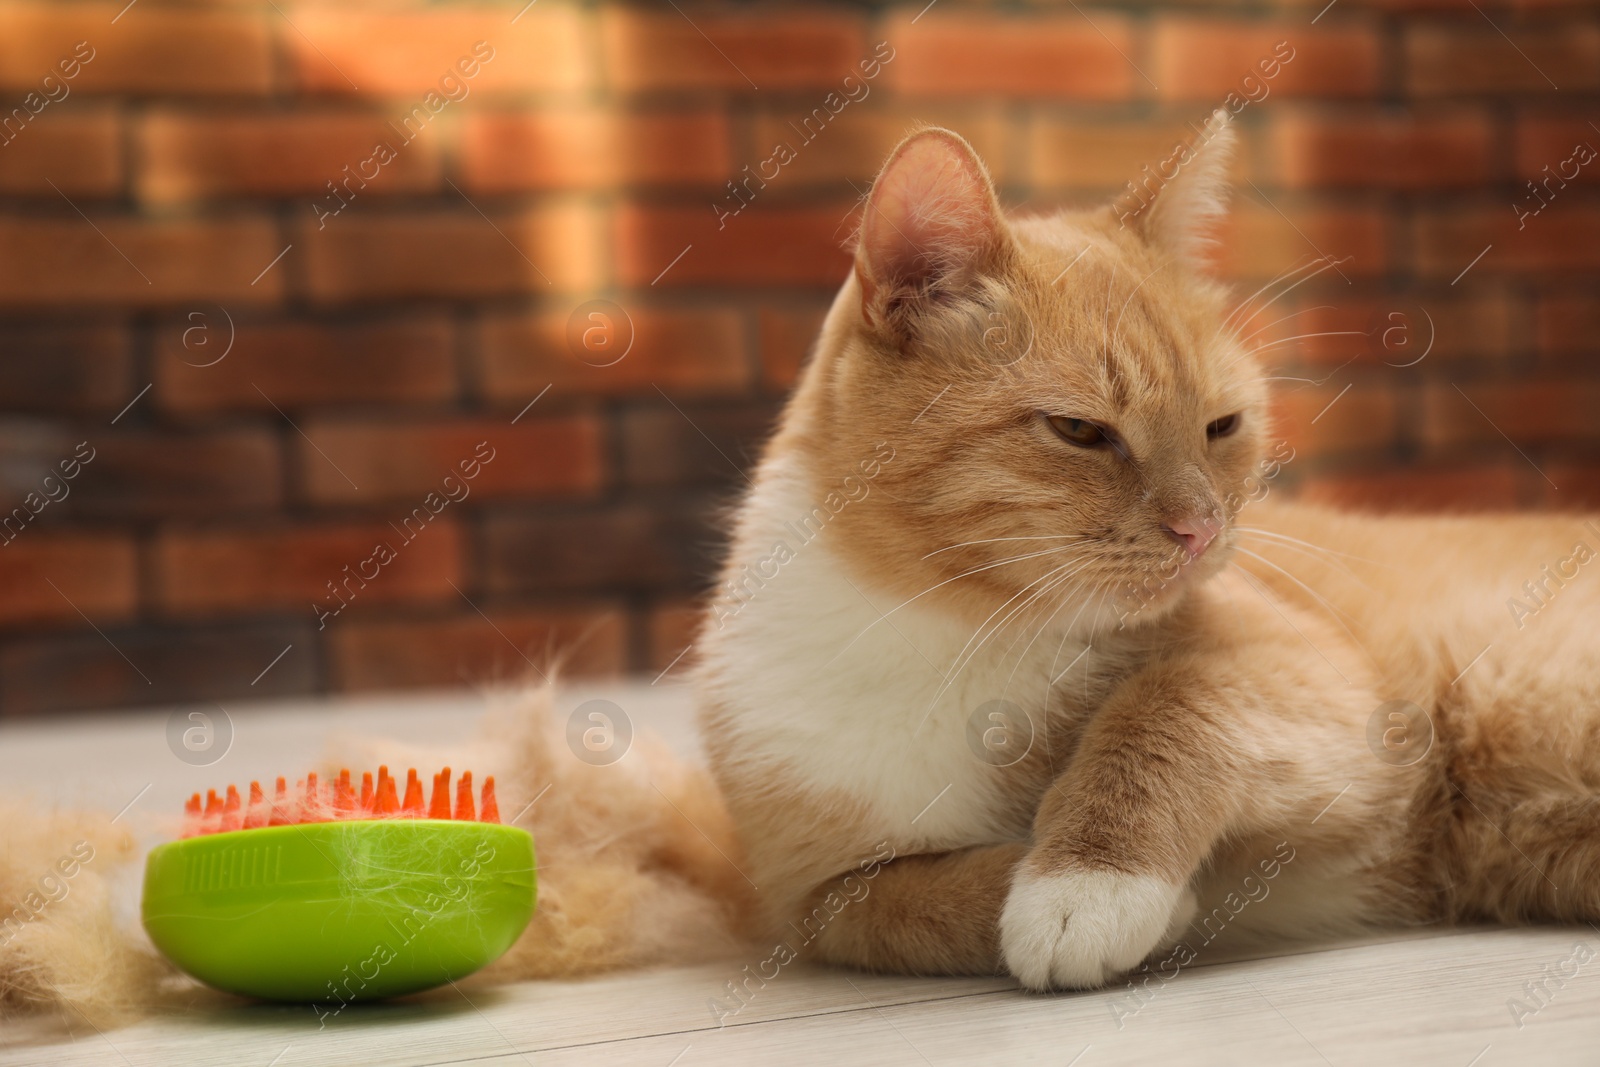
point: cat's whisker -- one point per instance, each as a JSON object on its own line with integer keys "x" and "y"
{"x": 1051, "y": 678}
{"x": 962, "y": 659}
{"x": 1314, "y": 552}
{"x": 1261, "y": 531}
{"x": 1037, "y": 595}
{"x": 1068, "y": 631}
{"x": 1331, "y": 263}
{"x": 992, "y": 540}
{"x": 1039, "y": 632}
{"x": 1338, "y": 616}
{"x": 1053, "y": 585}
{"x": 1286, "y": 318}
{"x": 1305, "y": 337}
{"x": 1282, "y": 276}
{"x": 967, "y": 574}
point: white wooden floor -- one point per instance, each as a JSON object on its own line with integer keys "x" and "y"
{"x": 1440, "y": 998}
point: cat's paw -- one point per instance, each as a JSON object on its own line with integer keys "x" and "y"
{"x": 1078, "y": 929}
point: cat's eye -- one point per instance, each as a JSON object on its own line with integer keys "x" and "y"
{"x": 1223, "y": 426}
{"x": 1080, "y": 432}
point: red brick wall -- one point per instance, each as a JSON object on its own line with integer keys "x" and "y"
{"x": 176, "y": 201}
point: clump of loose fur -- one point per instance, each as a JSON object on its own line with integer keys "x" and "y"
{"x": 637, "y": 860}
{"x": 63, "y": 947}
{"x": 636, "y": 867}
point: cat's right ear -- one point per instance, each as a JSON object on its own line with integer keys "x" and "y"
{"x": 932, "y": 227}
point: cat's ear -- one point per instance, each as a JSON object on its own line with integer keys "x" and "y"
{"x": 932, "y": 227}
{"x": 1188, "y": 209}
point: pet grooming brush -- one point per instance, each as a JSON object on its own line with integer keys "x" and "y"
{"x": 330, "y": 893}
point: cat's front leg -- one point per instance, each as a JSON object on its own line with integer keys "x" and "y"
{"x": 1158, "y": 777}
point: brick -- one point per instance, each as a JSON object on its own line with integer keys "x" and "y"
{"x": 1258, "y": 242}
{"x": 1394, "y": 329}
{"x": 941, "y": 55}
{"x": 92, "y": 573}
{"x": 626, "y": 549}
{"x": 391, "y": 255}
{"x": 510, "y": 647}
{"x": 407, "y": 54}
{"x": 1577, "y": 486}
{"x": 60, "y": 367}
{"x": 218, "y": 572}
{"x": 787, "y": 337}
{"x": 1546, "y": 149}
{"x": 64, "y": 261}
{"x": 1210, "y": 59}
{"x": 1363, "y": 420}
{"x": 587, "y": 148}
{"x": 1362, "y": 150}
{"x": 670, "y": 631}
{"x": 1468, "y": 59}
{"x": 1569, "y": 326}
{"x": 32, "y": 449}
{"x": 406, "y": 360}
{"x": 186, "y": 157}
{"x": 151, "y": 49}
{"x": 79, "y": 150}
{"x": 694, "y": 446}
{"x": 656, "y": 51}
{"x": 168, "y": 666}
{"x": 1105, "y": 155}
{"x": 759, "y": 246}
{"x": 170, "y": 474}
{"x": 1528, "y": 412}
{"x": 839, "y": 153}
{"x": 555, "y": 456}
{"x": 1429, "y": 489}
{"x": 1561, "y": 237}
{"x": 690, "y": 352}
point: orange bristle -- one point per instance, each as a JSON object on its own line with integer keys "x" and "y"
{"x": 491, "y": 807}
{"x": 439, "y": 806}
{"x": 464, "y": 810}
{"x": 413, "y": 801}
{"x": 314, "y": 801}
{"x": 385, "y": 802}
{"x": 256, "y": 814}
{"x": 230, "y": 810}
{"x": 280, "y": 805}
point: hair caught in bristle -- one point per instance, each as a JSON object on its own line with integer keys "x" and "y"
{"x": 338, "y": 801}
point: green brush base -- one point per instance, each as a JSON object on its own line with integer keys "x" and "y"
{"x": 340, "y": 911}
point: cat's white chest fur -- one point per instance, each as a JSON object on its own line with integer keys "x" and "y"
{"x": 848, "y": 689}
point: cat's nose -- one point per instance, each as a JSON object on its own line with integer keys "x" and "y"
{"x": 1194, "y": 533}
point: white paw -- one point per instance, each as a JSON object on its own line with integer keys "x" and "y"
{"x": 1079, "y": 929}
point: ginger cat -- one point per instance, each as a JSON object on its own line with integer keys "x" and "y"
{"x": 1015, "y": 671}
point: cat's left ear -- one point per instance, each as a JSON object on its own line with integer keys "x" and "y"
{"x": 932, "y": 227}
{"x": 1188, "y": 209}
